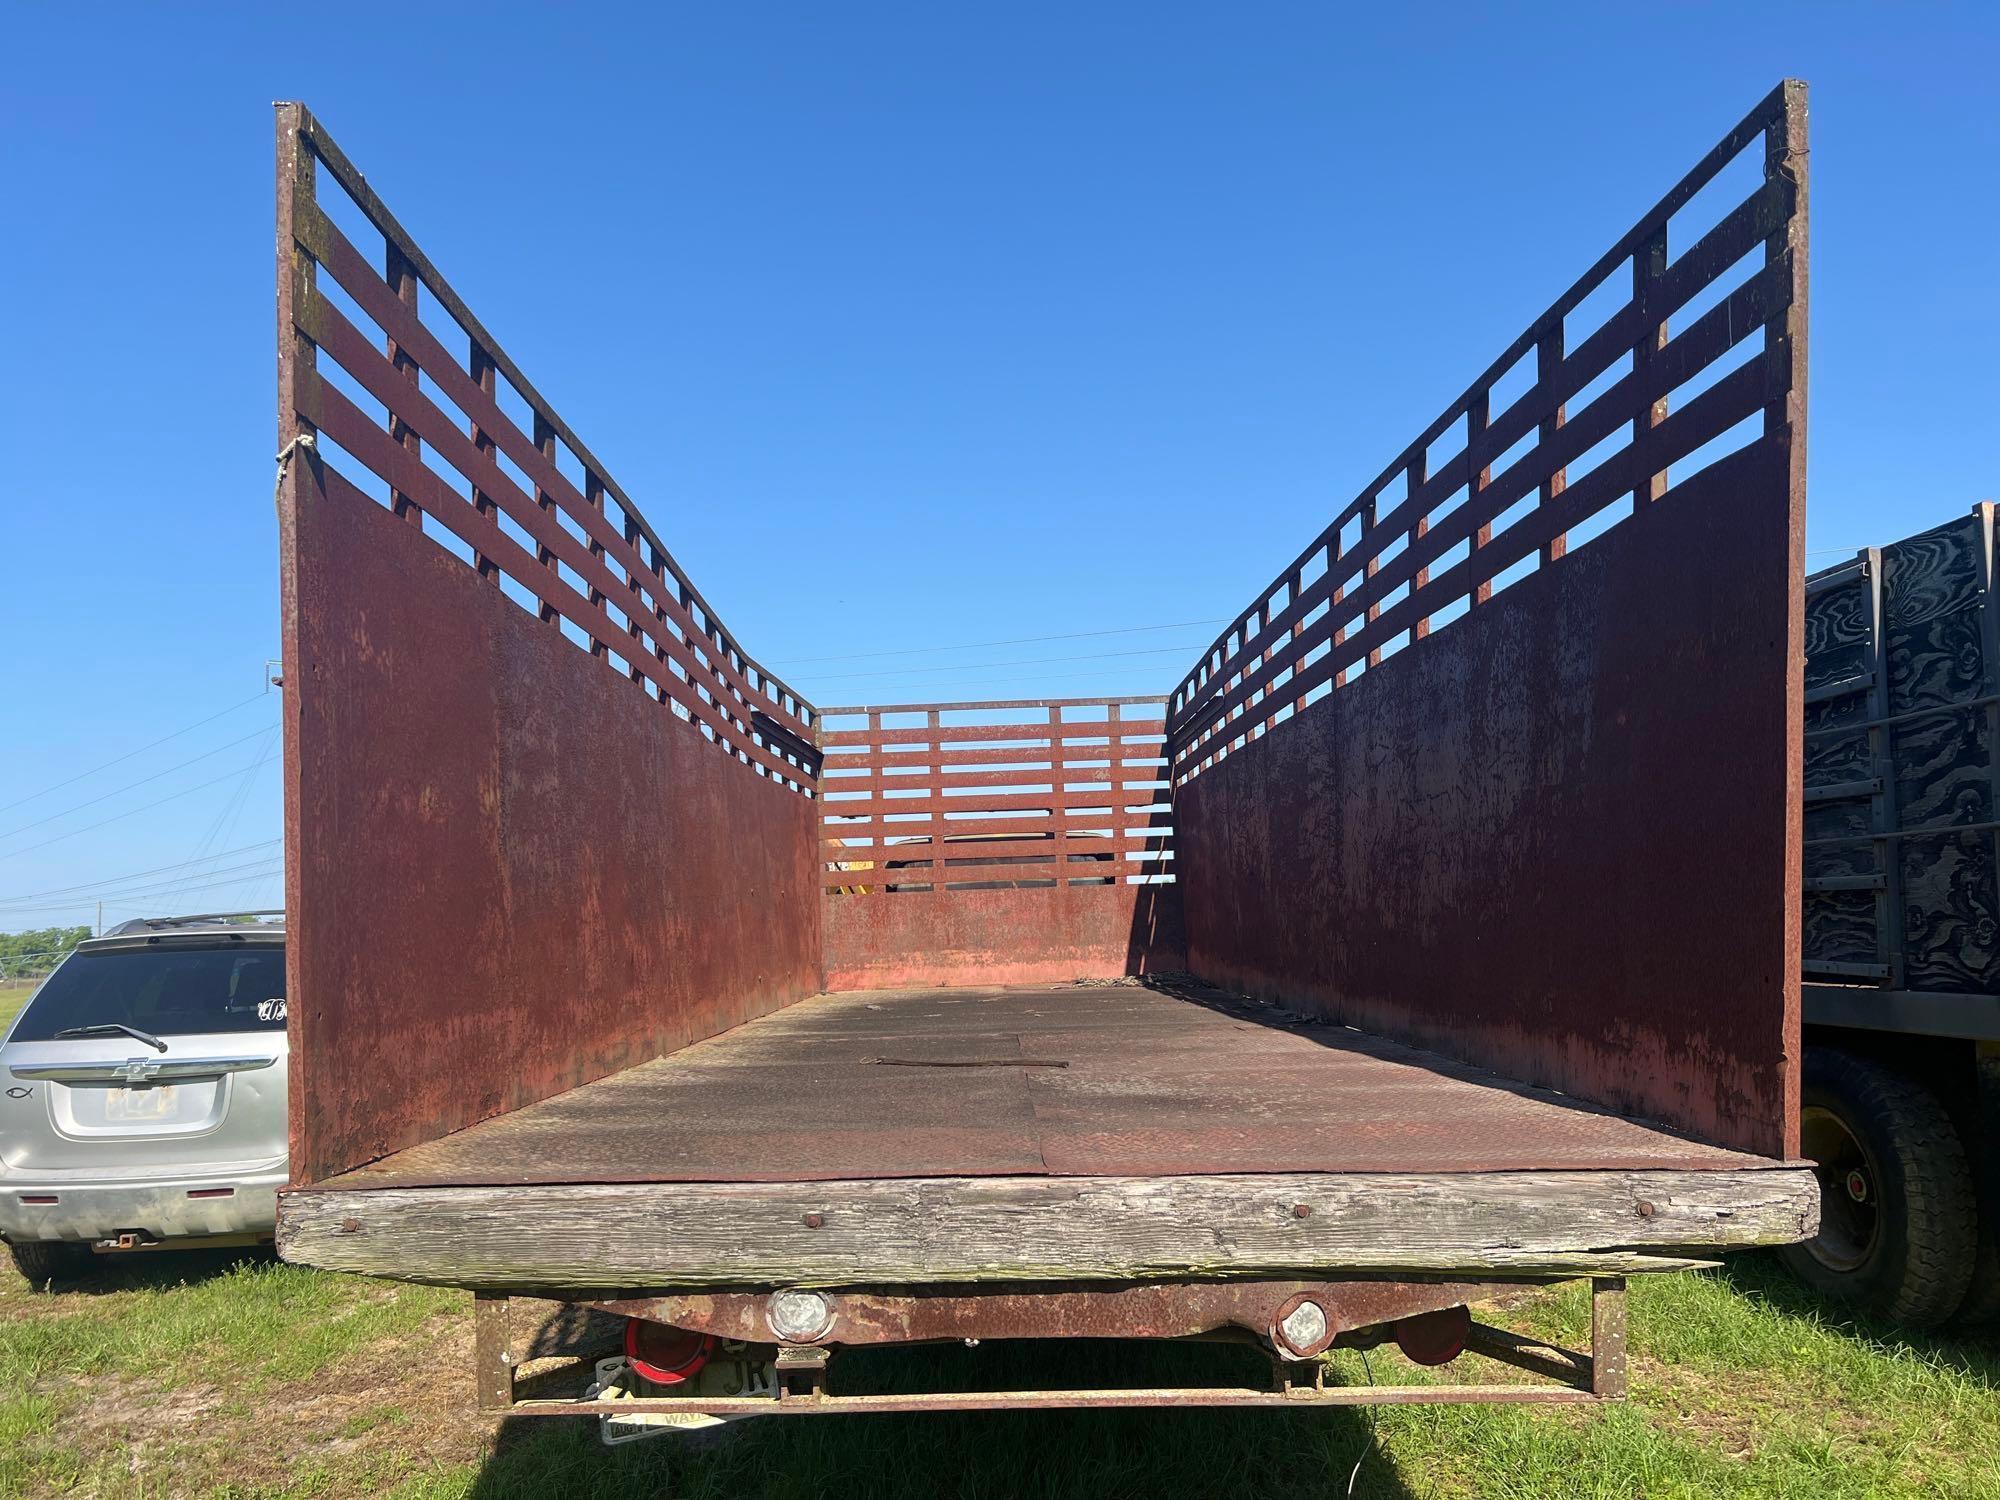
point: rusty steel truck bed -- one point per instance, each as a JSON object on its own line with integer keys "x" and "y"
{"x": 1437, "y": 931}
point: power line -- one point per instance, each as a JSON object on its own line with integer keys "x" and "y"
{"x": 1019, "y": 640}
{"x": 224, "y": 827}
{"x": 92, "y": 885}
{"x": 133, "y": 812}
{"x": 153, "y": 899}
{"x": 1019, "y": 661}
{"x": 142, "y": 888}
{"x": 155, "y": 908}
{"x": 119, "y": 760}
{"x": 133, "y": 785}
{"x": 260, "y": 868}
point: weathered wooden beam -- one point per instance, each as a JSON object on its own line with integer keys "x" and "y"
{"x": 631, "y": 1236}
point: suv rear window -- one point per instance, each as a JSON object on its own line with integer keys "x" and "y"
{"x": 167, "y": 990}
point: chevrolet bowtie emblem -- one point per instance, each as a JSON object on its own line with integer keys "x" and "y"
{"x": 137, "y": 1070}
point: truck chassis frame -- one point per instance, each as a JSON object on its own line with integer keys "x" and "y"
{"x": 1229, "y": 1311}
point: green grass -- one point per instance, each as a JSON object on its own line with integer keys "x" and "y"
{"x": 247, "y": 1379}
{"x": 210, "y": 1337}
{"x": 1741, "y": 1388}
{"x": 12, "y": 998}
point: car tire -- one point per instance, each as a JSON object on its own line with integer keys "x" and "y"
{"x": 1898, "y": 1217}
{"x": 45, "y": 1261}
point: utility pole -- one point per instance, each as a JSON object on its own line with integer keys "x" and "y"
{"x": 100, "y": 918}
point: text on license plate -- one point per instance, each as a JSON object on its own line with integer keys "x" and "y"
{"x": 156, "y": 1103}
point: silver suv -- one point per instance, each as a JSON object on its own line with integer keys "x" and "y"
{"x": 142, "y": 1095}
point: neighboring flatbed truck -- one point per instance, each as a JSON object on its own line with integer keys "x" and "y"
{"x": 621, "y": 974}
{"x": 1902, "y": 925}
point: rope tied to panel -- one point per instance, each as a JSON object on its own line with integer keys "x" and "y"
{"x": 304, "y": 440}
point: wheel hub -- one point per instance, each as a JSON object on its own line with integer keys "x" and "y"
{"x": 1850, "y": 1225}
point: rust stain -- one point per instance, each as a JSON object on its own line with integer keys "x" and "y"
{"x": 473, "y": 933}
{"x": 1159, "y": 1310}
{"x": 1570, "y": 866}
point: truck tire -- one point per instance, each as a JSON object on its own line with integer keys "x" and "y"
{"x": 1898, "y": 1217}
{"x": 44, "y": 1261}
{"x": 1981, "y": 1306}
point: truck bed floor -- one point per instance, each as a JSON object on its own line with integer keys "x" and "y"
{"x": 1074, "y": 1080}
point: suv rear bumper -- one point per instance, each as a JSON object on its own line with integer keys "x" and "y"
{"x": 173, "y": 1208}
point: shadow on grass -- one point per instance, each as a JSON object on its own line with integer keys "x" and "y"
{"x": 1761, "y": 1277}
{"x": 1099, "y": 1454}
{"x": 156, "y": 1270}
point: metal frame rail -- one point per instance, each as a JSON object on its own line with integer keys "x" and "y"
{"x": 1579, "y": 1377}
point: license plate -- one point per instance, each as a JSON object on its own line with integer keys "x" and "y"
{"x": 735, "y": 1371}
{"x": 127, "y": 1105}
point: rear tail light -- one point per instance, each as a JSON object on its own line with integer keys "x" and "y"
{"x": 663, "y": 1354}
{"x": 1434, "y": 1338}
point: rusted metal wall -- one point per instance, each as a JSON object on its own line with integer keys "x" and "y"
{"x": 1459, "y": 777}
{"x": 1003, "y": 937}
{"x": 544, "y": 817}
{"x": 1049, "y": 818}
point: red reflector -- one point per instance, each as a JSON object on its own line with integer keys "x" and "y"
{"x": 211, "y": 1192}
{"x": 40, "y": 1198}
{"x": 1434, "y": 1338}
{"x": 663, "y": 1354}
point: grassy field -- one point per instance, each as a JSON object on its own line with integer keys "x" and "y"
{"x": 216, "y": 1376}
{"x": 13, "y": 996}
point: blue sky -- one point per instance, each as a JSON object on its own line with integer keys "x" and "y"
{"x": 907, "y": 325}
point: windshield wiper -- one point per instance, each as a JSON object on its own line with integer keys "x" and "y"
{"x": 112, "y": 1028}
